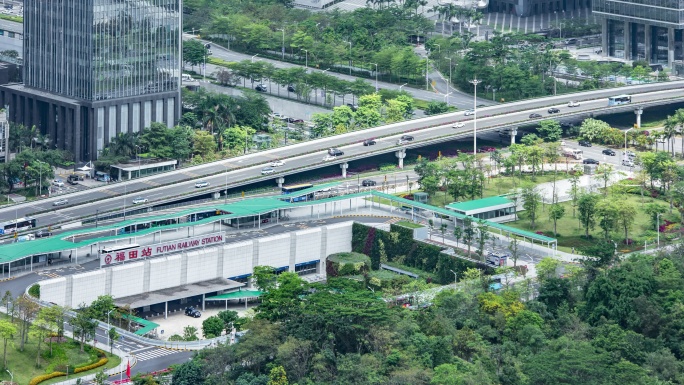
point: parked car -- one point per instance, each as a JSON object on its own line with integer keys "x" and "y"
{"x": 267, "y": 170}
{"x": 628, "y": 162}
{"x": 590, "y": 161}
{"x": 631, "y": 154}
{"x": 487, "y": 149}
{"x": 139, "y": 200}
{"x": 570, "y": 41}
{"x": 535, "y": 115}
{"x": 58, "y": 182}
{"x": 261, "y": 88}
{"x": 201, "y": 184}
{"x": 573, "y": 104}
{"x": 192, "y": 312}
{"x": 457, "y": 125}
{"x": 368, "y": 182}
{"x": 72, "y": 181}
{"x": 407, "y": 138}
{"x": 335, "y": 152}
{"x": 608, "y": 151}
{"x": 77, "y": 177}
{"x": 293, "y": 120}
{"x": 584, "y": 143}
{"x": 291, "y": 88}
{"x": 42, "y": 233}
{"x": 277, "y": 163}
{"x": 353, "y": 107}
{"x": 553, "y": 110}
{"x": 369, "y": 142}
{"x": 468, "y": 112}
{"x": 60, "y": 202}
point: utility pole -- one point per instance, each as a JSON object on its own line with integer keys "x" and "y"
{"x": 283, "y": 46}
{"x": 475, "y": 82}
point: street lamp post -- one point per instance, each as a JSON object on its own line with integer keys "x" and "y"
{"x": 447, "y": 97}
{"x": 402, "y": 86}
{"x": 40, "y": 177}
{"x": 283, "y": 46}
{"x": 658, "y": 229}
{"x": 110, "y": 326}
{"x": 475, "y": 82}
{"x": 455, "y": 275}
{"x": 306, "y": 63}
{"x": 427, "y": 70}
{"x": 376, "y": 75}
{"x": 624, "y": 156}
{"x": 439, "y": 48}
{"x": 449, "y": 84}
{"x": 350, "y": 58}
{"x": 252, "y": 60}
{"x": 137, "y": 154}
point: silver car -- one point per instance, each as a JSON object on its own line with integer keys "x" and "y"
{"x": 267, "y": 170}
{"x": 60, "y": 202}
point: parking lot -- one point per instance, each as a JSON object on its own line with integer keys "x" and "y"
{"x": 177, "y": 321}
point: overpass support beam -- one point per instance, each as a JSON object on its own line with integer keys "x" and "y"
{"x": 280, "y": 182}
{"x": 638, "y": 113}
{"x": 514, "y": 132}
{"x": 401, "y": 154}
{"x": 344, "y": 167}
{"x": 216, "y": 195}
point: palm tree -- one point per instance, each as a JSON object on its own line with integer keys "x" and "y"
{"x": 670, "y": 130}
{"x": 124, "y": 144}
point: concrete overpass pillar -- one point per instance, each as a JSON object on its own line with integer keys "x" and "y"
{"x": 401, "y": 154}
{"x": 514, "y": 132}
{"x": 216, "y": 195}
{"x": 280, "y": 182}
{"x": 638, "y": 113}
{"x": 344, "y": 167}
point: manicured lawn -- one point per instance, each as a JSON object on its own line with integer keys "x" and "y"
{"x": 23, "y": 364}
{"x": 571, "y": 234}
{"x": 409, "y": 225}
{"x": 344, "y": 258}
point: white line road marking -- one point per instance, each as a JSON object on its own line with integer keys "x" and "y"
{"x": 152, "y": 354}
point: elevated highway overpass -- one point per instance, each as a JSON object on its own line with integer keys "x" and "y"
{"x": 244, "y": 170}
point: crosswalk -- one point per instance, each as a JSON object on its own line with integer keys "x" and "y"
{"x": 152, "y": 354}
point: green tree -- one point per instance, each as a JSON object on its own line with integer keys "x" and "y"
{"x": 482, "y": 237}
{"x": 550, "y": 130}
{"x": 594, "y": 130}
{"x": 113, "y": 337}
{"x": 277, "y": 376}
{"x": 468, "y": 232}
{"x": 556, "y": 212}
{"x": 586, "y": 207}
{"x": 265, "y": 278}
{"x": 212, "y": 327}
{"x": 7, "y": 332}
{"x": 295, "y": 356}
{"x": 531, "y": 203}
{"x": 83, "y": 325}
{"x": 194, "y": 52}
{"x": 100, "y": 377}
{"x": 436, "y": 108}
{"x": 190, "y": 333}
{"x": 188, "y": 373}
{"x": 203, "y": 144}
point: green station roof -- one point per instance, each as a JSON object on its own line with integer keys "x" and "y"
{"x": 479, "y": 204}
{"x": 238, "y": 209}
{"x": 147, "y": 326}
{"x": 309, "y": 190}
{"x": 242, "y": 294}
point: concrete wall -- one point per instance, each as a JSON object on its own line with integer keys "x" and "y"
{"x": 86, "y": 287}
{"x": 308, "y": 245}
{"x": 165, "y": 272}
{"x": 274, "y": 251}
{"x": 231, "y": 260}
{"x": 202, "y": 264}
{"x": 128, "y": 279}
{"x": 237, "y": 259}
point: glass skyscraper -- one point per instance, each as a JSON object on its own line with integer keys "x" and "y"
{"x": 95, "y": 68}
{"x": 648, "y": 30}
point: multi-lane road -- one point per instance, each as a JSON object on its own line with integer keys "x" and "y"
{"x": 309, "y": 155}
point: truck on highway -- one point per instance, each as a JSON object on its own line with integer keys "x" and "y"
{"x": 571, "y": 153}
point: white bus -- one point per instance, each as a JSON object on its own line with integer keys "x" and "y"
{"x": 114, "y": 248}
{"x": 620, "y": 99}
{"x": 14, "y": 225}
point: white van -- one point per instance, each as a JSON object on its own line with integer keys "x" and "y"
{"x": 186, "y": 78}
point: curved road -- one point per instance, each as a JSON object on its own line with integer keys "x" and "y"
{"x": 309, "y": 155}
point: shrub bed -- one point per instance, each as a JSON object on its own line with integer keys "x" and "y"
{"x": 37, "y": 380}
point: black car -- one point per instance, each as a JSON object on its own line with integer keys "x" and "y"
{"x": 72, "y": 181}
{"x": 553, "y": 110}
{"x": 590, "y": 161}
{"x": 261, "y": 88}
{"x": 192, "y": 312}
{"x": 535, "y": 115}
{"x": 291, "y": 88}
{"x": 353, "y": 107}
{"x": 335, "y": 152}
{"x": 293, "y": 120}
{"x": 368, "y": 182}
{"x": 608, "y": 151}
{"x": 42, "y": 233}
{"x": 407, "y": 138}
{"x": 369, "y": 142}
{"x": 584, "y": 143}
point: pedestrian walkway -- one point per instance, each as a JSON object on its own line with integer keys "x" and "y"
{"x": 152, "y": 352}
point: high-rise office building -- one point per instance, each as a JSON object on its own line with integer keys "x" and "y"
{"x": 95, "y": 68}
{"x": 648, "y": 30}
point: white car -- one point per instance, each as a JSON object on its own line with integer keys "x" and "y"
{"x": 58, "y": 183}
{"x": 573, "y": 104}
{"x": 329, "y": 157}
{"x": 201, "y": 184}
{"x": 628, "y": 162}
{"x": 277, "y": 163}
{"x": 469, "y": 112}
{"x": 139, "y": 200}
{"x": 458, "y": 125}
{"x": 60, "y": 202}
{"x": 267, "y": 170}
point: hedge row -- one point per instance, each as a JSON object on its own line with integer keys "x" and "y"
{"x": 44, "y": 377}
{"x": 99, "y": 363}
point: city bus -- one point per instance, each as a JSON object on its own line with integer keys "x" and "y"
{"x": 14, "y": 225}
{"x": 286, "y": 190}
{"x": 620, "y": 99}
